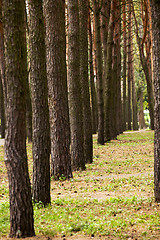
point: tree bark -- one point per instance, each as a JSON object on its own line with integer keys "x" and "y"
{"x": 87, "y": 122}
{"x": 57, "y": 87}
{"x": 74, "y": 85}
{"x": 100, "y": 100}
{"x": 108, "y": 93}
{"x": 21, "y": 211}
{"x": 124, "y": 63}
{"x": 155, "y": 9}
{"x": 40, "y": 112}
{"x": 129, "y": 62}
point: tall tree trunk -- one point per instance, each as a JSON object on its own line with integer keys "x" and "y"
{"x": 134, "y": 100}
{"x": 100, "y": 100}
{"x": 108, "y": 94}
{"x": 92, "y": 84}
{"x": 40, "y": 117}
{"x": 21, "y": 211}
{"x": 75, "y": 96}
{"x": 87, "y": 122}
{"x": 155, "y": 7}
{"x": 57, "y": 87}
{"x": 105, "y": 15}
{"x": 124, "y": 63}
{"x": 129, "y": 62}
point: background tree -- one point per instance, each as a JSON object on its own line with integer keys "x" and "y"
{"x": 87, "y": 122}
{"x": 145, "y": 63}
{"x": 155, "y": 8}
{"x": 57, "y": 86}
{"x": 21, "y": 211}
{"x": 124, "y": 61}
{"x": 74, "y": 86}
{"x": 100, "y": 101}
{"x": 129, "y": 63}
{"x": 40, "y": 112}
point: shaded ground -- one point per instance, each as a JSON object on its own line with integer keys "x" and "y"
{"x": 112, "y": 199}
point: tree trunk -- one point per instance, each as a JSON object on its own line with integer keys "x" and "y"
{"x": 142, "y": 124}
{"x": 21, "y": 211}
{"x": 100, "y": 99}
{"x": 57, "y": 87}
{"x": 108, "y": 94}
{"x": 134, "y": 100}
{"x": 92, "y": 84}
{"x": 105, "y": 15}
{"x": 146, "y": 71}
{"x": 75, "y": 95}
{"x": 87, "y": 122}
{"x": 40, "y": 113}
{"x": 155, "y": 8}
{"x": 129, "y": 62}
{"x": 124, "y": 63}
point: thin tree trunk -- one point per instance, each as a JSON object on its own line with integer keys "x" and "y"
{"x": 108, "y": 104}
{"x": 21, "y": 211}
{"x": 129, "y": 62}
{"x": 142, "y": 124}
{"x": 87, "y": 121}
{"x": 124, "y": 63}
{"x": 146, "y": 71}
{"x": 100, "y": 99}
{"x": 92, "y": 84}
{"x": 57, "y": 87}
{"x": 155, "y": 7}
{"x": 40, "y": 112}
{"x": 75, "y": 95}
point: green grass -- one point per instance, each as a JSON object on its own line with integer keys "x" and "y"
{"x": 113, "y": 197}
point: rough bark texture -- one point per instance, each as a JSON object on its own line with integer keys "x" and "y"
{"x": 105, "y": 15}
{"x": 129, "y": 62}
{"x": 57, "y": 89}
{"x": 21, "y": 211}
{"x": 108, "y": 103}
{"x": 155, "y": 6}
{"x": 124, "y": 62}
{"x": 87, "y": 121}
{"x": 100, "y": 100}
{"x": 92, "y": 84}
{"x": 74, "y": 84}
{"x": 40, "y": 117}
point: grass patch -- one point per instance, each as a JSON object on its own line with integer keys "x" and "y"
{"x": 113, "y": 197}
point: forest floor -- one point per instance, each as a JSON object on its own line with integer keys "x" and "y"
{"x": 112, "y": 199}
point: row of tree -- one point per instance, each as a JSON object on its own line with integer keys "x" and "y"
{"x": 64, "y": 102}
